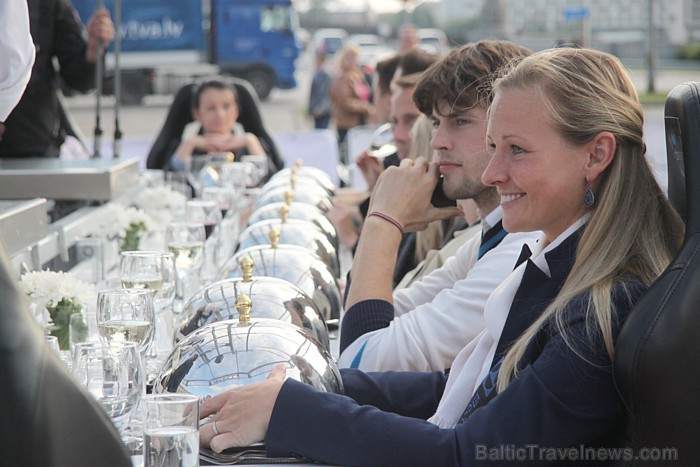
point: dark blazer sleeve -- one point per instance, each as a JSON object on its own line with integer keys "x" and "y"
{"x": 69, "y": 47}
{"x": 564, "y": 399}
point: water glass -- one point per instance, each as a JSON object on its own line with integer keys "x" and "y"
{"x": 171, "y": 430}
{"x": 113, "y": 375}
{"x": 82, "y": 328}
{"x": 52, "y": 342}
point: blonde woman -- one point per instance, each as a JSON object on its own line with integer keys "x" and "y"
{"x": 350, "y": 94}
{"x": 565, "y": 132}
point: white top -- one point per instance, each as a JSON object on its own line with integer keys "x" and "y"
{"x": 16, "y": 54}
{"x": 437, "y": 316}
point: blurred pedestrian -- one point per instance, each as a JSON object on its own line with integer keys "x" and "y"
{"x": 408, "y": 37}
{"x": 320, "y": 95}
{"x": 350, "y": 96}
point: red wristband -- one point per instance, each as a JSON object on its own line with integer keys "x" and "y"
{"x": 387, "y": 218}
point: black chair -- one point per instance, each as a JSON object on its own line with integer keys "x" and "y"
{"x": 46, "y": 419}
{"x": 180, "y": 114}
{"x": 657, "y": 357}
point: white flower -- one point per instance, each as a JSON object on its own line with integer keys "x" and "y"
{"x": 160, "y": 203}
{"x": 46, "y": 288}
{"x": 121, "y": 218}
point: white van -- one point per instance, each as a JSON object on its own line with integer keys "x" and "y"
{"x": 433, "y": 40}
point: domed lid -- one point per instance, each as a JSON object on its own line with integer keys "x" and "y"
{"x": 299, "y": 211}
{"x": 296, "y": 182}
{"x": 294, "y": 264}
{"x": 309, "y": 195}
{"x": 291, "y": 232}
{"x": 238, "y": 352}
{"x": 273, "y": 298}
{"x": 305, "y": 171}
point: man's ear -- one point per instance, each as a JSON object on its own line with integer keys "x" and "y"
{"x": 600, "y": 155}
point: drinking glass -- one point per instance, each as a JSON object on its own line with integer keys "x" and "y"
{"x": 82, "y": 328}
{"x": 52, "y": 343}
{"x": 171, "y": 430}
{"x": 112, "y": 374}
{"x": 126, "y": 315}
{"x": 186, "y": 241}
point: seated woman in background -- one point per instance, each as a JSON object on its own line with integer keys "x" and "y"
{"x": 215, "y": 129}
{"x": 565, "y": 132}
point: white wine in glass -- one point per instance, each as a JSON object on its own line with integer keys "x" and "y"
{"x": 141, "y": 270}
{"x": 186, "y": 241}
{"x": 126, "y": 315}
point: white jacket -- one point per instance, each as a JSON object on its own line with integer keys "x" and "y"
{"x": 437, "y": 316}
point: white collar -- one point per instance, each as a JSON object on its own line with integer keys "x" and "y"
{"x": 490, "y": 219}
{"x": 541, "y": 247}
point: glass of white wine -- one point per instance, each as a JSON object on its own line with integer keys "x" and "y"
{"x": 186, "y": 241}
{"x": 126, "y": 315}
{"x": 141, "y": 270}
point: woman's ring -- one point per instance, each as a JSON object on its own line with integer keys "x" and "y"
{"x": 214, "y": 429}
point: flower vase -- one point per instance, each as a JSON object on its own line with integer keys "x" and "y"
{"x": 60, "y": 317}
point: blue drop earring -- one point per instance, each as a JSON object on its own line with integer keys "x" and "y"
{"x": 589, "y": 197}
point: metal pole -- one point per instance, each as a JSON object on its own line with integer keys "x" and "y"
{"x": 651, "y": 52}
{"x": 117, "y": 144}
{"x": 99, "y": 72}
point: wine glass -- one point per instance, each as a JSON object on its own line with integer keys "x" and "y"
{"x": 225, "y": 197}
{"x": 186, "y": 241}
{"x": 381, "y": 145}
{"x": 205, "y": 211}
{"x": 141, "y": 270}
{"x": 126, "y": 315}
{"x": 113, "y": 375}
{"x": 229, "y": 227}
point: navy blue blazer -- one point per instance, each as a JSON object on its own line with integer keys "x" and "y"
{"x": 563, "y": 399}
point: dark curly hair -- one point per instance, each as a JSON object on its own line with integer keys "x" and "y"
{"x": 464, "y": 77}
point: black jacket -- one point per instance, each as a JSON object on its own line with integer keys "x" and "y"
{"x": 34, "y": 128}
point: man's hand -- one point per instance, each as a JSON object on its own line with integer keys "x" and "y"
{"x": 100, "y": 31}
{"x": 404, "y": 194}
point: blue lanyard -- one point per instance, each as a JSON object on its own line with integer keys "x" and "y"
{"x": 491, "y": 242}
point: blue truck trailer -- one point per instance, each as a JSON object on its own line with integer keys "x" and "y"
{"x": 162, "y": 40}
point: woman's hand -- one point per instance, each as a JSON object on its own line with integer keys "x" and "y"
{"x": 404, "y": 193}
{"x": 242, "y": 415}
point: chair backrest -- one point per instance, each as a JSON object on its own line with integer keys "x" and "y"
{"x": 46, "y": 419}
{"x": 657, "y": 351}
{"x": 180, "y": 114}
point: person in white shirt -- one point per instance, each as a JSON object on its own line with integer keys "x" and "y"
{"x": 423, "y": 327}
{"x": 17, "y": 52}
